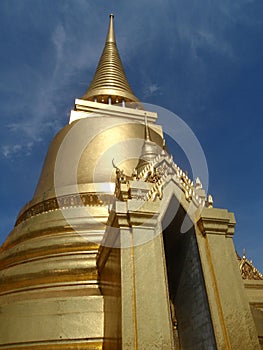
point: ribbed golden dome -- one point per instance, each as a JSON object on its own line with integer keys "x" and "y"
{"x": 109, "y": 81}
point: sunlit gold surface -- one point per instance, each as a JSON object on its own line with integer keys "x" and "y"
{"x": 92, "y": 167}
{"x": 230, "y": 311}
{"x": 80, "y": 345}
{"x": 50, "y": 296}
{"x": 134, "y": 285}
{"x": 110, "y": 79}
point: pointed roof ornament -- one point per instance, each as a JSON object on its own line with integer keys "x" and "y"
{"x": 109, "y": 84}
{"x": 111, "y": 35}
{"x": 147, "y": 133}
{"x": 150, "y": 149}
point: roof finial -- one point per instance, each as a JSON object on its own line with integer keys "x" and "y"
{"x": 147, "y": 133}
{"x": 244, "y": 253}
{"x": 111, "y": 36}
{"x": 210, "y": 201}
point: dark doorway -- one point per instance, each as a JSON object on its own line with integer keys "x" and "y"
{"x": 192, "y": 320}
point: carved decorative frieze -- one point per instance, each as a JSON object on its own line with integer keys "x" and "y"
{"x": 69, "y": 201}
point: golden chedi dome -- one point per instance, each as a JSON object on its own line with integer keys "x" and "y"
{"x": 50, "y": 296}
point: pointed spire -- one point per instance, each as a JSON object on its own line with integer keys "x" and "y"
{"x": 150, "y": 149}
{"x": 147, "y": 133}
{"x": 111, "y": 36}
{"x": 109, "y": 84}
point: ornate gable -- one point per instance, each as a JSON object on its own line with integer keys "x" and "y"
{"x": 248, "y": 270}
{"x": 153, "y": 177}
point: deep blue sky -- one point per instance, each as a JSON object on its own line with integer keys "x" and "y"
{"x": 200, "y": 59}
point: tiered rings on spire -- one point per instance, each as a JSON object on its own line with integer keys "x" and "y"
{"x": 109, "y": 84}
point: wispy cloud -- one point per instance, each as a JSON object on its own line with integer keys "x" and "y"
{"x": 59, "y": 38}
{"x": 39, "y": 110}
{"x": 151, "y": 90}
{"x": 39, "y": 116}
{"x": 8, "y": 151}
{"x": 11, "y": 151}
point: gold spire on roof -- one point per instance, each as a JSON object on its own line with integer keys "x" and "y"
{"x": 109, "y": 84}
{"x": 147, "y": 133}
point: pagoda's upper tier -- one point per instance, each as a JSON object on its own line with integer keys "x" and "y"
{"x": 109, "y": 84}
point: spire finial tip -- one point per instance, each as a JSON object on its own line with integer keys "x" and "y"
{"x": 111, "y": 35}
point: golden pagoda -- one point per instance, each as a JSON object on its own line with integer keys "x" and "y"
{"x": 97, "y": 260}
